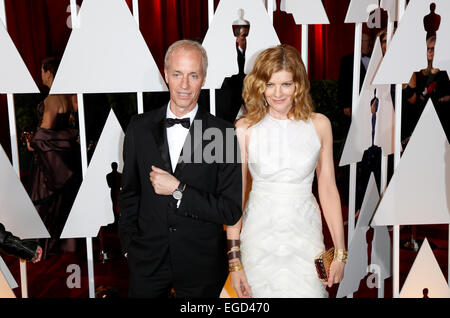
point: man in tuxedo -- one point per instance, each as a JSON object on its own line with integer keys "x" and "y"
{"x": 345, "y": 81}
{"x": 345, "y": 94}
{"x": 229, "y": 96}
{"x": 177, "y": 193}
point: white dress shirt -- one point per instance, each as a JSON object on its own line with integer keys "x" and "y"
{"x": 365, "y": 60}
{"x": 176, "y": 135}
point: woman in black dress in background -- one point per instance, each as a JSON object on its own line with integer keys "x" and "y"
{"x": 56, "y": 171}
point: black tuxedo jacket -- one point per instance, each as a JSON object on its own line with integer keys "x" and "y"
{"x": 345, "y": 81}
{"x": 151, "y": 227}
{"x": 229, "y": 96}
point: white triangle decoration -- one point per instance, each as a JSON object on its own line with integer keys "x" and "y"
{"x": 5, "y": 290}
{"x": 356, "y": 267}
{"x": 381, "y": 252}
{"x": 425, "y": 273}
{"x": 17, "y": 212}
{"x": 357, "y": 261}
{"x": 224, "y": 293}
{"x": 8, "y": 279}
{"x": 359, "y": 137}
{"x": 385, "y": 122}
{"x": 370, "y": 202}
{"x": 220, "y": 43}
{"x": 107, "y": 54}
{"x": 15, "y": 77}
{"x": 381, "y": 244}
{"x": 419, "y": 191}
{"x": 407, "y": 52}
{"x": 391, "y": 7}
{"x": 306, "y": 11}
{"x": 92, "y": 208}
{"x": 358, "y": 10}
{"x": 442, "y": 48}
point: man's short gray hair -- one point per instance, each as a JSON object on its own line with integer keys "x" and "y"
{"x": 187, "y": 44}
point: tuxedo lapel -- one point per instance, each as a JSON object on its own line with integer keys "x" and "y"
{"x": 160, "y": 134}
{"x": 193, "y": 141}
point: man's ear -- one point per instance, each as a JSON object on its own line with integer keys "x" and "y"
{"x": 204, "y": 80}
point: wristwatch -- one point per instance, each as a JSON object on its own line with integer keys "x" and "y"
{"x": 178, "y": 192}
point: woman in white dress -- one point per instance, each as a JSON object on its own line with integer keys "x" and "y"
{"x": 282, "y": 144}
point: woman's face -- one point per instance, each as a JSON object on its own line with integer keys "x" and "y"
{"x": 280, "y": 91}
{"x": 430, "y": 50}
{"x": 45, "y": 75}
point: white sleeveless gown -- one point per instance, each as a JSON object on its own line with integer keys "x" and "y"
{"x": 282, "y": 225}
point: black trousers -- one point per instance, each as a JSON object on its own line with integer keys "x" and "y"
{"x": 370, "y": 163}
{"x": 162, "y": 284}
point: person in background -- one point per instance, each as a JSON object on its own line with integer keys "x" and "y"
{"x": 427, "y": 83}
{"x": 25, "y": 249}
{"x": 56, "y": 169}
{"x": 345, "y": 81}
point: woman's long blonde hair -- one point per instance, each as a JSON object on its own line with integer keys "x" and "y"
{"x": 272, "y": 60}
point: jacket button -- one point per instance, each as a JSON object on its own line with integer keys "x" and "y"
{"x": 172, "y": 229}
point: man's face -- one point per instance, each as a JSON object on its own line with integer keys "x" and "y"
{"x": 430, "y": 51}
{"x": 241, "y": 39}
{"x": 366, "y": 44}
{"x": 185, "y": 77}
{"x": 383, "y": 41}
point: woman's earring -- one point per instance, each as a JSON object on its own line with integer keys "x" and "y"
{"x": 265, "y": 101}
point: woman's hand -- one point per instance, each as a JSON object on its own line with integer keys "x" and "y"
{"x": 240, "y": 284}
{"x": 336, "y": 273}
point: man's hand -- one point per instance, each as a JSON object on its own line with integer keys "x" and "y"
{"x": 373, "y": 107}
{"x": 163, "y": 182}
{"x": 37, "y": 257}
{"x": 444, "y": 99}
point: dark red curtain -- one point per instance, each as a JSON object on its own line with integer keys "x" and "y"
{"x": 163, "y": 22}
{"x": 4, "y": 126}
{"x": 40, "y": 28}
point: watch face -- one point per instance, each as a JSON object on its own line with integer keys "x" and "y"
{"x": 177, "y": 194}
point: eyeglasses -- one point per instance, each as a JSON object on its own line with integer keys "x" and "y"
{"x": 430, "y": 48}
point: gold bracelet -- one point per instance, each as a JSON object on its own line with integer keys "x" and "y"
{"x": 340, "y": 255}
{"x": 234, "y": 249}
{"x": 234, "y": 263}
{"x": 235, "y": 268}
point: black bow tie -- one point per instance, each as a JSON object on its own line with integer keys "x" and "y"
{"x": 185, "y": 122}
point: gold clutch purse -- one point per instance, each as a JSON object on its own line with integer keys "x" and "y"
{"x": 323, "y": 262}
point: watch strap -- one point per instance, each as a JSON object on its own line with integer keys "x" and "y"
{"x": 181, "y": 186}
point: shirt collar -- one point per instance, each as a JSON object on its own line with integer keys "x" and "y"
{"x": 190, "y": 115}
